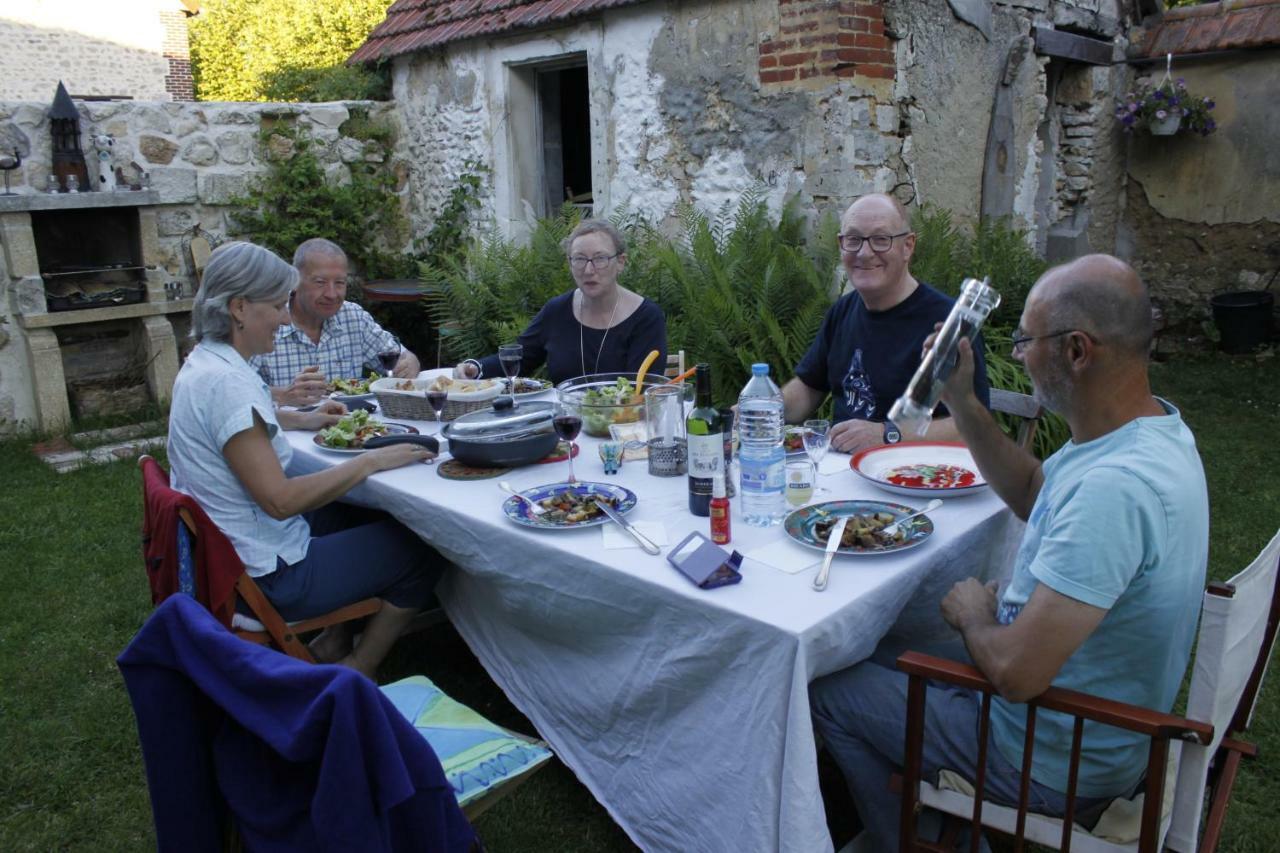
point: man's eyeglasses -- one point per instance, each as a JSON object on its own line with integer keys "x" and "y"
{"x": 598, "y": 262}
{"x": 880, "y": 243}
{"x": 1020, "y": 341}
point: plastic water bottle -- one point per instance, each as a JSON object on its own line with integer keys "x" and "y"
{"x": 760, "y": 453}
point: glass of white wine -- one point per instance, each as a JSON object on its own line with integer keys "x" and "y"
{"x": 799, "y": 480}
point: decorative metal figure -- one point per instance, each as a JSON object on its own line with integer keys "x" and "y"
{"x": 64, "y": 123}
{"x": 8, "y": 164}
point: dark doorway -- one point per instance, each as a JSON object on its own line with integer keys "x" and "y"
{"x": 565, "y": 114}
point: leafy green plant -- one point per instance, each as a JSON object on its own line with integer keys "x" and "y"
{"x": 293, "y": 202}
{"x": 332, "y": 83}
{"x": 253, "y": 50}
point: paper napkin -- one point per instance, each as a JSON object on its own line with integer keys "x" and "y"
{"x": 785, "y": 556}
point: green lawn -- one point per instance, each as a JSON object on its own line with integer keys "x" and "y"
{"x": 74, "y": 592}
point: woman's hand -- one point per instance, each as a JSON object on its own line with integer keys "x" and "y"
{"x": 328, "y": 413}
{"x": 396, "y": 456}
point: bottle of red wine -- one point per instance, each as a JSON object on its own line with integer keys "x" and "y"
{"x": 705, "y": 430}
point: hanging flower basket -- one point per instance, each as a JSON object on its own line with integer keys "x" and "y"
{"x": 1166, "y": 126}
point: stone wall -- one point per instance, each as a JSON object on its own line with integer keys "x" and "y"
{"x": 95, "y": 48}
{"x": 198, "y": 156}
{"x": 696, "y": 101}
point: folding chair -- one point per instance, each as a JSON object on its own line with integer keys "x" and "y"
{"x": 675, "y": 365}
{"x": 266, "y": 627}
{"x": 1023, "y": 408}
{"x": 1237, "y": 634}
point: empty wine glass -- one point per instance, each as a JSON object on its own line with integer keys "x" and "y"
{"x": 568, "y": 423}
{"x": 510, "y": 356}
{"x": 817, "y": 438}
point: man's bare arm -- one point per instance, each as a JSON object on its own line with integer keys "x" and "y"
{"x": 799, "y": 401}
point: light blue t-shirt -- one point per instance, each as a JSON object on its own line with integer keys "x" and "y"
{"x": 1121, "y": 523}
{"x": 214, "y": 398}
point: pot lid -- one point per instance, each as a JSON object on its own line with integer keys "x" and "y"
{"x": 503, "y": 421}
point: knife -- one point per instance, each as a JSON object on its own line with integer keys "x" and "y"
{"x": 645, "y": 542}
{"x": 833, "y": 545}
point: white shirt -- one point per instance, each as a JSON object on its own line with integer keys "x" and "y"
{"x": 214, "y": 398}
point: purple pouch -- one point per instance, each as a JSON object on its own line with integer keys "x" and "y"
{"x": 704, "y": 562}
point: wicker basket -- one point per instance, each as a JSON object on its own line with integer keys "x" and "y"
{"x": 412, "y": 405}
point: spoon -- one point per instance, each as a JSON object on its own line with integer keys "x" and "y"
{"x": 533, "y": 505}
{"x": 892, "y": 529}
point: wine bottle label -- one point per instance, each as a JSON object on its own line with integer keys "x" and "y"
{"x": 706, "y": 457}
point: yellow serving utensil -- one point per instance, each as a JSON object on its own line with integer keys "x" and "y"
{"x": 644, "y": 368}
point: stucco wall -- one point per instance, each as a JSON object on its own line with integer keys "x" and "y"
{"x": 1203, "y": 213}
{"x": 680, "y": 112}
{"x": 94, "y": 47}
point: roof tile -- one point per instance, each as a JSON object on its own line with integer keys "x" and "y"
{"x": 413, "y": 25}
{"x": 1226, "y": 25}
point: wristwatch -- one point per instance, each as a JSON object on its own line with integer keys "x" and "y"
{"x": 892, "y": 435}
{"x": 479, "y": 366}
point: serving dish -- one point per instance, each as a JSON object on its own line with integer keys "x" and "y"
{"x": 604, "y": 399}
{"x": 934, "y": 468}
{"x": 502, "y": 436}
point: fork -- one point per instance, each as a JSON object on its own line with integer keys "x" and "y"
{"x": 929, "y": 507}
{"x": 534, "y": 507}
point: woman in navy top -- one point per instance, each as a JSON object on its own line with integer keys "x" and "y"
{"x": 598, "y": 327}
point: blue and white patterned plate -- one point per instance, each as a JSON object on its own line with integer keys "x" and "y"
{"x": 520, "y": 512}
{"x": 800, "y": 524}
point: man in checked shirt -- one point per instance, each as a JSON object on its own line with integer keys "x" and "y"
{"x": 329, "y": 337}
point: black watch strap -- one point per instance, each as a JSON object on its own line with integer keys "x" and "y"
{"x": 892, "y": 435}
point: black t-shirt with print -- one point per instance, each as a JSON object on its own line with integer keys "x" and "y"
{"x": 866, "y": 358}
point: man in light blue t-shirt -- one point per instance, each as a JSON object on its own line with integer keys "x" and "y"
{"x": 1107, "y": 584}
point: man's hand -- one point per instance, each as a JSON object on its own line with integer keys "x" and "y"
{"x": 854, "y": 435}
{"x": 306, "y": 389}
{"x": 407, "y": 367}
{"x": 960, "y": 382}
{"x": 970, "y": 603}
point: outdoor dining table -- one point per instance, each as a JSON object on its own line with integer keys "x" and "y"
{"x": 685, "y": 711}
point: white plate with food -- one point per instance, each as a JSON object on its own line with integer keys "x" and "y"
{"x": 348, "y": 391}
{"x": 350, "y": 433}
{"x": 527, "y": 388}
{"x": 934, "y": 468}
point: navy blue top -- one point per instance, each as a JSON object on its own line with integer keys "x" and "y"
{"x": 870, "y": 356}
{"x": 553, "y": 338}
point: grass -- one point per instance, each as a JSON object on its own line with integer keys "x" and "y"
{"x": 74, "y": 593}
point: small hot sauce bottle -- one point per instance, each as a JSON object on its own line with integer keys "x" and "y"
{"x": 719, "y": 511}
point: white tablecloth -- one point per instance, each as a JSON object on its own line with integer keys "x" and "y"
{"x": 684, "y": 711}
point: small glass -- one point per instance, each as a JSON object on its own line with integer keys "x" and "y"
{"x": 510, "y": 356}
{"x": 568, "y": 423}
{"x": 664, "y": 416}
{"x": 817, "y": 439}
{"x": 799, "y": 482}
{"x": 51, "y": 184}
{"x": 611, "y": 454}
{"x": 73, "y": 184}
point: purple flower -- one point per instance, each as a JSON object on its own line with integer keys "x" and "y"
{"x": 1162, "y": 115}
{"x": 1133, "y": 108}
{"x": 1182, "y": 83}
{"x": 1127, "y": 120}
{"x": 1186, "y": 112}
{"x": 1158, "y": 95}
{"x": 1208, "y": 103}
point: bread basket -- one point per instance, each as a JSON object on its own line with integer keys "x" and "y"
{"x": 407, "y": 398}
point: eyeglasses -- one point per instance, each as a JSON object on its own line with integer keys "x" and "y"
{"x": 1020, "y": 340}
{"x": 880, "y": 243}
{"x": 598, "y": 262}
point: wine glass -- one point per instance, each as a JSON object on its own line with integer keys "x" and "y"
{"x": 436, "y": 399}
{"x": 817, "y": 438}
{"x": 510, "y": 356}
{"x": 388, "y": 358}
{"x": 568, "y": 423}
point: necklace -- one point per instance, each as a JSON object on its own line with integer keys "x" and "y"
{"x": 582, "y": 346}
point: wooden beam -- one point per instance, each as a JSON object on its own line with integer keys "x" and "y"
{"x": 1076, "y": 48}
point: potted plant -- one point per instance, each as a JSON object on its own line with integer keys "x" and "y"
{"x": 1164, "y": 108}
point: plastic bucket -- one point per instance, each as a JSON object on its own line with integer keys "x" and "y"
{"x": 1243, "y": 319}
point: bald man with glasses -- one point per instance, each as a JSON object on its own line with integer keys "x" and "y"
{"x": 870, "y": 342}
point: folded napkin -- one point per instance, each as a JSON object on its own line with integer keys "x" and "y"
{"x": 785, "y": 556}
{"x": 616, "y": 538}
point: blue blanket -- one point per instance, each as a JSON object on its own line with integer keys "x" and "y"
{"x": 305, "y": 757}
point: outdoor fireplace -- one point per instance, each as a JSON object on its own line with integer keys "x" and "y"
{"x": 89, "y": 258}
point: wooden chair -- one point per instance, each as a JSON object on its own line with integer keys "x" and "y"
{"x": 1237, "y": 634}
{"x": 675, "y": 365}
{"x": 1022, "y": 406}
{"x": 266, "y": 627}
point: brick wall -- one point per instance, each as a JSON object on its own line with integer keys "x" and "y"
{"x": 177, "y": 82}
{"x": 819, "y": 39}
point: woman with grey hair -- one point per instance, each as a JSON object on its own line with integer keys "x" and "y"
{"x": 598, "y": 327}
{"x": 227, "y": 451}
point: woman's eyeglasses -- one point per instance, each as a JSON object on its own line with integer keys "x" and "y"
{"x": 598, "y": 262}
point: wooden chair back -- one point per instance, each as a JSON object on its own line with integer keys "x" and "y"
{"x": 675, "y": 365}
{"x": 1021, "y": 406}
